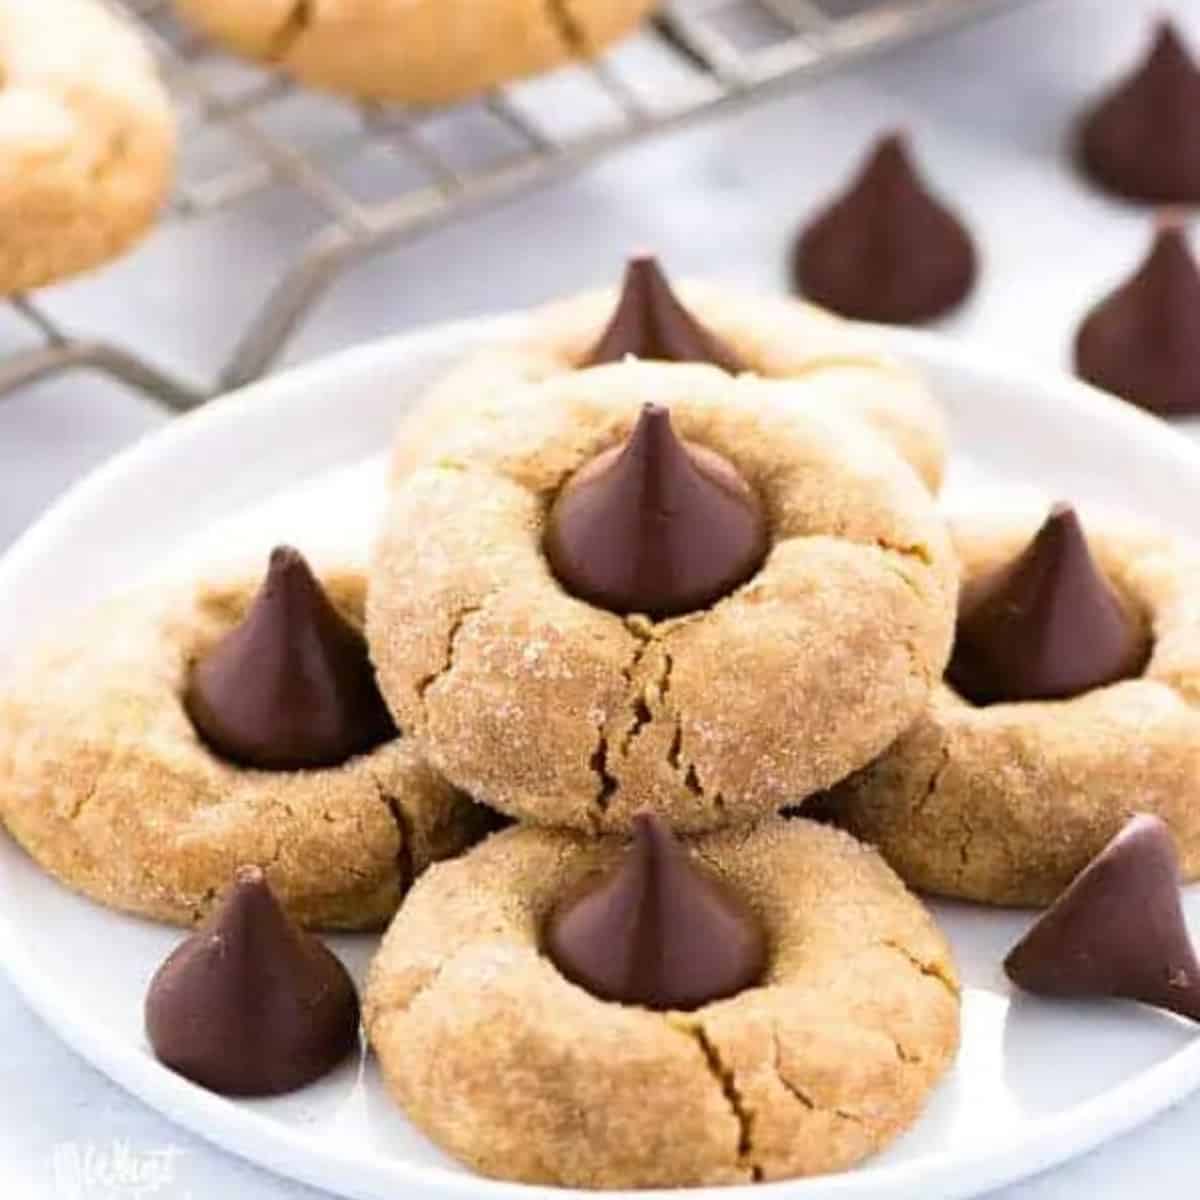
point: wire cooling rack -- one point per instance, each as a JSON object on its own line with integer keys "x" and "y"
{"x": 708, "y": 56}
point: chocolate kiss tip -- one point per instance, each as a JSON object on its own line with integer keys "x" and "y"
{"x": 1118, "y": 930}
{"x": 1142, "y": 140}
{"x": 657, "y": 930}
{"x": 292, "y": 686}
{"x": 650, "y": 322}
{"x": 655, "y": 526}
{"x": 887, "y": 249}
{"x": 250, "y": 1004}
{"x": 1046, "y": 625}
{"x": 1142, "y": 342}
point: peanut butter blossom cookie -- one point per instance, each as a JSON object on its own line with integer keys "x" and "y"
{"x": 87, "y": 140}
{"x": 181, "y": 732}
{"x": 418, "y": 51}
{"x": 1069, "y": 705}
{"x": 753, "y": 1005}
{"x": 832, "y": 363}
{"x": 659, "y": 586}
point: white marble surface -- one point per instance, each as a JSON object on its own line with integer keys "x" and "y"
{"x": 990, "y": 108}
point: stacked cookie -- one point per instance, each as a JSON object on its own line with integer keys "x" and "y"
{"x": 659, "y": 584}
{"x": 659, "y": 570}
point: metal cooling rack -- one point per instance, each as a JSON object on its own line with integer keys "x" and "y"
{"x": 723, "y": 54}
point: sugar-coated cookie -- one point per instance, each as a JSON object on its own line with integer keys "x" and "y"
{"x": 1006, "y": 802}
{"x": 87, "y": 140}
{"x": 416, "y": 51}
{"x": 106, "y": 782}
{"x": 560, "y": 711}
{"x": 834, "y": 362}
{"x": 523, "y": 1075}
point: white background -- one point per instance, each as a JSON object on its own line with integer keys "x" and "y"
{"x": 990, "y": 109}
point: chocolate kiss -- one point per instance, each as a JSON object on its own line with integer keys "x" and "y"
{"x": 1045, "y": 626}
{"x": 1118, "y": 930}
{"x": 1142, "y": 141}
{"x": 651, "y": 323}
{"x": 658, "y": 930}
{"x": 1142, "y": 343}
{"x": 250, "y": 1004}
{"x": 886, "y": 250}
{"x": 292, "y": 686}
{"x": 657, "y": 526}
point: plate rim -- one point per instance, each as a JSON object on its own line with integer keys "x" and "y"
{"x": 287, "y": 1152}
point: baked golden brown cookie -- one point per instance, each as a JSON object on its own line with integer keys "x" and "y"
{"x": 526, "y": 1076}
{"x": 87, "y": 140}
{"x": 561, "y": 712}
{"x": 833, "y": 362}
{"x": 1005, "y": 803}
{"x": 106, "y": 783}
{"x": 416, "y": 51}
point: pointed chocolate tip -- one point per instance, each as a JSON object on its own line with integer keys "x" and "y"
{"x": 651, "y": 322}
{"x": 886, "y": 249}
{"x": 657, "y": 930}
{"x": 1142, "y": 140}
{"x": 1045, "y": 626}
{"x": 656, "y": 526}
{"x": 250, "y": 1004}
{"x": 292, "y": 686}
{"x": 1142, "y": 341}
{"x": 1118, "y": 930}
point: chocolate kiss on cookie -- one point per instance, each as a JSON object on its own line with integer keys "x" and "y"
{"x": 1142, "y": 343}
{"x": 651, "y": 323}
{"x": 656, "y": 526}
{"x": 250, "y": 1004}
{"x": 292, "y": 686}
{"x": 1118, "y": 930}
{"x": 887, "y": 249}
{"x": 658, "y": 931}
{"x": 1142, "y": 141}
{"x": 1045, "y": 626}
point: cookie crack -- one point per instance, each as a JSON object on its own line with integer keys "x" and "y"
{"x": 296, "y": 23}
{"x": 569, "y": 28}
{"x": 727, "y": 1082}
{"x": 406, "y": 871}
{"x": 799, "y": 1094}
{"x": 934, "y": 781}
{"x": 928, "y": 969}
{"x": 463, "y": 615}
{"x": 598, "y": 765}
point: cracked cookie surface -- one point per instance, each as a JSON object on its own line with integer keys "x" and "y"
{"x": 561, "y": 713}
{"x": 106, "y": 784}
{"x": 87, "y": 140}
{"x": 415, "y": 51}
{"x": 524, "y": 1076}
{"x": 834, "y": 362}
{"x": 1005, "y": 804}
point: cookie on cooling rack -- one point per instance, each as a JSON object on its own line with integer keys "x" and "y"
{"x": 1070, "y": 705}
{"x": 796, "y": 1011}
{"x": 836, "y": 363}
{"x": 659, "y": 585}
{"x": 87, "y": 140}
{"x": 415, "y": 51}
{"x": 182, "y": 732}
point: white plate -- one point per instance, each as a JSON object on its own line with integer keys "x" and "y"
{"x": 298, "y": 458}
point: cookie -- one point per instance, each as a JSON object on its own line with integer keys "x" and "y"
{"x": 106, "y": 782}
{"x": 525, "y": 1076}
{"x": 1007, "y": 802}
{"x": 415, "y": 51}
{"x": 87, "y": 140}
{"x": 833, "y": 362}
{"x": 560, "y": 712}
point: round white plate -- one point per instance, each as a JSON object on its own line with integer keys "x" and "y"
{"x": 299, "y": 459}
